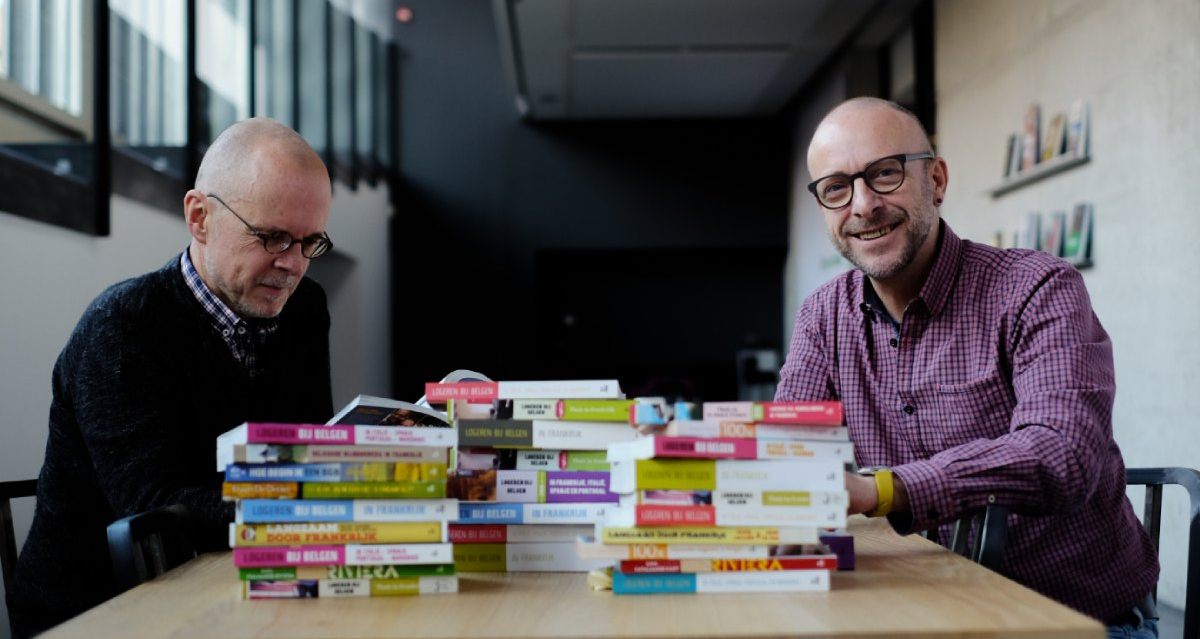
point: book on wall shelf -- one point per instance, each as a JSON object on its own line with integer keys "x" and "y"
{"x": 1077, "y": 241}
{"x": 1029, "y": 232}
{"x": 1031, "y": 138}
{"x": 1056, "y": 131}
{"x": 1076, "y": 144}
{"x": 1053, "y": 233}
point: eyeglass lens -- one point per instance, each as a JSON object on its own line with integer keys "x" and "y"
{"x": 881, "y": 176}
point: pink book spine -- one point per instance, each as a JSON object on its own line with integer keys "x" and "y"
{"x": 249, "y": 557}
{"x": 814, "y": 413}
{"x": 709, "y": 448}
{"x": 471, "y": 391}
{"x": 268, "y": 433}
{"x": 665, "y": 515}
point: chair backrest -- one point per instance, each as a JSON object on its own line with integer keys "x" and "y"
{"x": 10, "y": 490}
{"x": 147, "y": 544}
{"x": 991, "y": 525}
{"x": 1154, "y": 479}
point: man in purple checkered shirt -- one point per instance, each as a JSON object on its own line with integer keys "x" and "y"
{"x": 970, "y": 375}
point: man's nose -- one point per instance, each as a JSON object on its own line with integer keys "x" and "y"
{"x": 863, "y": 200}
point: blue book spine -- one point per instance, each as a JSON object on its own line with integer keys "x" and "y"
{"x": 490, "y": 513}
{"x": 284, "y": 472}
{"x": 624, "y": 584}
{"x": 263, "y": 511}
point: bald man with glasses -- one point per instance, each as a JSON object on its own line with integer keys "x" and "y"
{"x": 970, "y": 375}
{"x": 229, "y": 331}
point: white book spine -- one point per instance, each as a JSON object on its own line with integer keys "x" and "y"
{"x": 384, "y": 554}
{"x": 383, "y": 510}
{"x": 773, "y": 581}
{"x": 564, "y": 513}
{"x": 530, "y": 533}
{"x": 813, "y": 450}
{"x": 737, "y": 474}
{"x": 548, "y": 557}
{"x": 580, "y": 435}
{"x": 565, "y": 389}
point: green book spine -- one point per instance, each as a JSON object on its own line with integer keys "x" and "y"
{"x": 495, "y": 433}
{"x": 480, "y": 558}
{"x": 677, "y": 474}
{"x": 595, "y": 410}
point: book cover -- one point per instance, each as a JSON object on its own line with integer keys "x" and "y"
{"x": 369, "y": 410}
{"x": 722, "y": 582}
{"x": 350, "y": 554}
{"x": 773, "y": 564}
{"x": 1031, "y": 138}
{"x": 719, "y": 535}
{"x": 1077, "y": 245}
{"x": 1029, "y": 231}
{"x": 1056, "y": 137}
{"x": 266, "y": 511}
{"x": 1077, "y": 130}
{"x": 338, "y": 472}
{"x": 1012, "y": 160}
{"x": 1055, "y": 230}
{"x": 284, "y": 573}
{"x": 295, "y": 534}
{"x": 431, "y": 489}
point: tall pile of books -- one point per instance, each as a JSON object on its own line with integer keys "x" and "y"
{"x": 708, "y": 504}
{"x": 339, "y": 510}
{"x": 531, "y": 473}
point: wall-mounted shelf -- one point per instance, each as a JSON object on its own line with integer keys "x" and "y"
{"x": 1039, "y": 172}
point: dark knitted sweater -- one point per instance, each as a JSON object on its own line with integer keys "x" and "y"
{"x": 141, "y": 391}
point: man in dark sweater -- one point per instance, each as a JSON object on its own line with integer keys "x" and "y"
{"x": 159, "y": 365}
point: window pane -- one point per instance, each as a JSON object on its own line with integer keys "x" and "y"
{"x": 274, "y": 67}
{"x": 222, "y": 61}
{"x": 314, "y": 103}
{"x": 146, "y": 73}
{"x": 364, "y": 45}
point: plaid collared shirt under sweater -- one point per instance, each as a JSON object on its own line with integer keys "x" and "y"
{"x": 997, "y": 383}
{"x": 244, "y": 338}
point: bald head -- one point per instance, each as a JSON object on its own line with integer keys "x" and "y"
{"x": 858, "y": 120}
{"x": 253, "y": 150}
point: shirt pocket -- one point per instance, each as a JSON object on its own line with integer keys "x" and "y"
{"x": 979, "y": 409}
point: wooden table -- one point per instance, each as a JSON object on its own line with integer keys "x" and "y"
{"x": 903, "y": 587}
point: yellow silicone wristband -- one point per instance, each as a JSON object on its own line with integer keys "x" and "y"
{"x": 885, "y": 489}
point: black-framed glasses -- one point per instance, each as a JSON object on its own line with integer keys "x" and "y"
{"x": 311, "y": 247}
{"x": 882, "y": 176}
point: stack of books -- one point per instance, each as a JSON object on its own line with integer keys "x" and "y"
{"x": 339, "y": 510}
{"x": 710, "y": 512}
{"x": 530, "y": 472}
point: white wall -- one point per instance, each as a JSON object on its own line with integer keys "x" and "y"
{"x": 49, "y": 275}
{"x": 1138, "y": 68}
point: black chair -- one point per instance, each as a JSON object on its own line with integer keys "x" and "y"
{"x": 992, "y": 526}
{"x": 10, "y": 490}
{"x": 1154, "y": 479}
{"x": 145, "y": 545}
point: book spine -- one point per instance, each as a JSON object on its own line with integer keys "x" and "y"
{"x": 670, "y": 515}
{"x": 531, "y": 409}
{"x": 305, "y": 454}
{"x": 495, "y": 433}
{"x": 578, "y": 487}
{"x": 663, "y": 474}
{"x": 547, "y": 556}
{"x": 260, "y": 490}
{"x": 374, "y": 490}
{"x": 816, "y": 475}
{"x": 815, "y": 413}
{"x": 250, "y": 535}
{"x": 781, "y": 581}
{"x": 495, "y": 513}
{"x": 580, "y": 435}
{"x": 839, "y": 451}
{"x": 390, "y": 571}
{"x": 439, "y": 392}
{"x": 774, "y": 564}
{"x": 309, "y": 588}
{"x": 595, "y": 460}
{"x": 351, "y": 554}
{"x": 337, "y": 472}
{"x": 721, "y": 535}
{"x": 564, "y": 389}
{"x": 588, "y": 548}
{"x": 266, "y": 511}
{"x": 593, "y": 410}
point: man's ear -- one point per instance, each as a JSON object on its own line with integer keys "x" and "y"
{"x": 940, "y": 176}
{"x": 195, "y": 213}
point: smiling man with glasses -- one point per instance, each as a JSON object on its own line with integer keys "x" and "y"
{"x": 970, "y": 375}
{"x": 230, "y": 330}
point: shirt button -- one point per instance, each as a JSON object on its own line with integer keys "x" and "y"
{"x": 893, "y": 342}
{"x": 241, "y": 330}
{"x": 932, "y": 513}
{"x": 909, "y": 409}
{"x": 225, "y": 332}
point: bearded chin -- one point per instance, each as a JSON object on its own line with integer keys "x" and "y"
{"x": 916, "y": 231}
